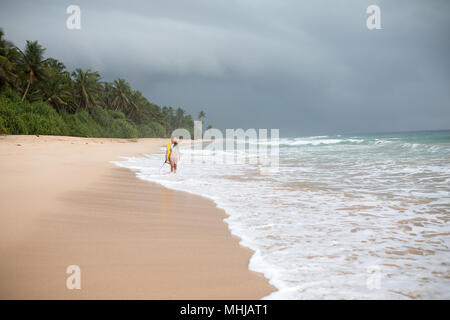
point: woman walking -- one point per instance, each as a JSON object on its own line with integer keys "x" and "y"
{"x": 174, "y": 155}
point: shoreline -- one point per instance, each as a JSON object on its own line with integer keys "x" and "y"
{"x": 133, "y": 239}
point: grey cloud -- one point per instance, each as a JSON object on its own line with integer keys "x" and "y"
{"x": 307, "y": 67}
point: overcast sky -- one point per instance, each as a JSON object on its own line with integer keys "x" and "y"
{"x": 306, "y": 67}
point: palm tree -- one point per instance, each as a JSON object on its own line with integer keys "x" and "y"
{"x": 165, "y": 118}
{"x": 55, "y": 64}
{"x": 58, "y": 89}
{"x": 4, "y": 44}
{"x": 137, "y": 102}
{"x": 8, "y": 59}
{"x": 201, "y": 115}
{"x": 121, "y": 95}
{"x": 179, "y": 117}
{"x": 87, "y": 88}
{"x": 107, "y": 95}
{"x": 32, "y": 63}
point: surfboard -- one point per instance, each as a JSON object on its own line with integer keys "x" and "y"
{"x": 168, "y": 151}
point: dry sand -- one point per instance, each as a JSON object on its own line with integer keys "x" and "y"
{"x": 63, "y": 203}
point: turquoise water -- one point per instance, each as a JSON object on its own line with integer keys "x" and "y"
{"x": 345, "y": 216}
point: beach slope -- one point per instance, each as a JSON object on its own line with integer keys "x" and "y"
{"x": 63, "y": 203}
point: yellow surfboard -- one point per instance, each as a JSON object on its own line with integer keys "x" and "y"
{"x": 168, "y": 151}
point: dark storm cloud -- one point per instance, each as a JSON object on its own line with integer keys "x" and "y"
{"x": 306, "y": 67}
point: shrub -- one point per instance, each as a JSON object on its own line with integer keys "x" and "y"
{"x": 117, "y": 114}
{"x": 41, "y": 118}
{"x": 158, "y": 129}
{"x": 12, "y": 111}
{"x": 17, "y": 117}
{"x": 145, "y": 131}
{"x": 125, "y": 129}
{"x": 3, "y": 129}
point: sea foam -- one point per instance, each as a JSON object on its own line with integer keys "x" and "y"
{"x": 343, "y": 217}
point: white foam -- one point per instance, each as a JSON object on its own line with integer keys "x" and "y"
{"x": 331, "y": 211}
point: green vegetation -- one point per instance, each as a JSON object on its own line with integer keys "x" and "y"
{"x": 39, "y": 96}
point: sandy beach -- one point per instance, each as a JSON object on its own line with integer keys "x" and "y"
{"x": 63, "y": 203}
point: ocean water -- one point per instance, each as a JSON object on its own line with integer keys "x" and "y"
{"x": 343, "y": 217}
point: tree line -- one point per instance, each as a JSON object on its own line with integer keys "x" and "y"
{"x": 39, "y": 95}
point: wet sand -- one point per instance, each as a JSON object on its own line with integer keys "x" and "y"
{"x": 63, "y": 203}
